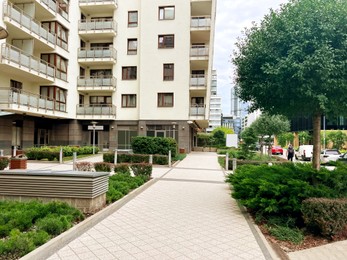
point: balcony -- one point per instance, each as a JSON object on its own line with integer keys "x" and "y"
{"x": 19, "y": 101}
{"x": 97, "y": 56}
{"x": 198, "y": 81}
{"x": 98, "y": 6}
{"x": 200, "y": 23}
{"x": 199, "y": 51}
{"x": 97, "y": 28}
{"x": 197, "y": 110}
{"x": 26, "y": 65}
{"x": 97, "y": 111}
{"x": 48, "y": 9}
{"x": 18, "y": 21}
{"x": 96, "y": 83}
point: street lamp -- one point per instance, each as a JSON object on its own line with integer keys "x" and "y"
{"x": 3, "y": 33}
{"x": 94, "y": 125}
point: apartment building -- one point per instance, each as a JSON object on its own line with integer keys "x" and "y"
{"x": 122, "y": 68}
{"x": 215, "y": 118}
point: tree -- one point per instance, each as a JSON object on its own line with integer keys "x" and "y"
{"x": 338, "y": 138}
{"x": 285, "y": 138}
{"x": 267, "y": 126}
{"x": 294, "y": 62}
{"x": 219, "y": 138}
{"x": 304, "y": 137}
{"x": 249, "y": 140}
{"x": 226, "y": 130}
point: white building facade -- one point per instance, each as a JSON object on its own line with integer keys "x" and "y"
{"x": 215, "y": 119}
{"x": 135, "y": 68}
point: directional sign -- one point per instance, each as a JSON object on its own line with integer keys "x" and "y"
{"x": 97, "y": 127}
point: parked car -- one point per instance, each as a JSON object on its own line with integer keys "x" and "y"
{"x": 343, "y": 158}
{"x": 304, "y": 152}
{"x": 277, "y": 150}
{"x": 328, "y": 155}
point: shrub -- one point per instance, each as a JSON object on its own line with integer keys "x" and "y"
{"x": 4, "y": 161}
{"x": 103, "y": 167}
{"x": 142, "y": 169}
{"x": 85, "y": 166}
{"x": 327, "y": 217}
{"x": 53, "y": 225}
{"x": 163, "y": 159}
{"x": 283, "y": 233}
{"x": 154, "y": 145}
{"x": 52, "y": 153}
{"x": 122, "y": 168}
{"x": 136, "y": 158}
{"x": 113, "y": 195}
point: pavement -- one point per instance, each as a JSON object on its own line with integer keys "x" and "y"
{"x": 185, "y": 212}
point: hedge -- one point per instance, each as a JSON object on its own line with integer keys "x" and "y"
{"x": 4, "y": 161}
{"x": 136, "y": 158}
{"x": 154, "y": 145}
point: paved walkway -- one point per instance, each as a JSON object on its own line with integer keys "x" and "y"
{"x": 186, "y": 214}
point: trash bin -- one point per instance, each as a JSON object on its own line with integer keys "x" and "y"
{"x": 18, "y": 162}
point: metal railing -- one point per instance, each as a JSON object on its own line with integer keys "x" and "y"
{"x": 12, "y": 96}
{"x": 200, "y": 22}
{"x": 97, "y": 25}
{"x": 198, "y": 80}
{"x": 18, "y": 15}
{"x": 35, "y": 65}
{"x": 54, "y": 6}
{"x": 97, "y": 53}
{"x": 96, "y": 82}
{"x": 197, "y": 110}
{"x": 96, "y": 110}
{"x": 98, "y": 1}
{"x": 199, "y": 51}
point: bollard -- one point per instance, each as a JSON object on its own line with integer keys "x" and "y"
{"x": 115, "y": 156}
{"x": 234, "y": 164}
{"x": 74, "y": 168}
{"x": 226, "y": 161}
{"x": 1, "y": 152}
{"x": 170, "y": 158}
{"x": 14, "y": 151}
{"x": 61, "y": 155}
{"x": 151, "y": 158}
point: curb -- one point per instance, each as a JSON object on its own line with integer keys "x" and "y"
{"x": 55, "y": 244}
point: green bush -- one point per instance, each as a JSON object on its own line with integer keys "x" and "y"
{"x": 53, "y": 152}
{"x": 154, "y": 145}
{"x": 142, "y": 169}
{"x": 53, "y": 225}
{"x": 84, "y": 166}
{"x": 113, "y": 195}
{"x": 163, "y": 159}
{"x": 103, "y": 167}
{"x": 4, "y": 161}
{"x": 283, "y": 233}
{"x": 280, "y": 189}
{"x": 122, "y": 168}
{"x": 136, "y": 158}
{"x": 327, "y": 217}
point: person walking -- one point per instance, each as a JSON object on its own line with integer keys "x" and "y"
{"x": 290, "y": 152}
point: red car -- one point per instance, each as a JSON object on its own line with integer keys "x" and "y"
{"x": 277, "y": 150}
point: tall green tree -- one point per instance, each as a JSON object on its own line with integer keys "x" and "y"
{"x": 294, "y": 62}
{"x": 304, "y": 137}
{"x": 267, "y": 126}
{"x": 338, "y": 138}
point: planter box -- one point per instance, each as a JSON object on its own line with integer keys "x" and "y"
{"x": 18, "y": 163}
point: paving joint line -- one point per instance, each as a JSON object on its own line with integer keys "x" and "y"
{"x": 190, "y": 180}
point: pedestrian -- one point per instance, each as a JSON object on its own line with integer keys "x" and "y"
{"x": 290, "y": 152}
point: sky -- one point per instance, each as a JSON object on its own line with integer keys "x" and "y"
{"x": 231, "y": 19}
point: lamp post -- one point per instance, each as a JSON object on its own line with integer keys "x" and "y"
{"x": 3, "y": 33}
{"x": 94, "y": 124}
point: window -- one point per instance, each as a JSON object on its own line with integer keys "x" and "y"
{"x": 166, "y": 13}
{"x": 60, "y": 31}
{"x": 100, "y": 100}
{"x": 165, "y": 99}
{"x": 132, "y": 46}
{"x": 168, "y": 72}
{"x": 129, "y": 100}
{"x": 16, "y": 84}
{"x": 132, "y": 18}
{"x": 59, "y": 62}
{"x": 54, "y": 93}
{"x": 166, "y": 41}
{"x": 129, "y": 73}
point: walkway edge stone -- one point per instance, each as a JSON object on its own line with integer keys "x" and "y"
{"x": 53, "y": 245}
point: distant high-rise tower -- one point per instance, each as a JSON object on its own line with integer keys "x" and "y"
{"x": 215, "y": 119}
{"x": 234, "y": 104}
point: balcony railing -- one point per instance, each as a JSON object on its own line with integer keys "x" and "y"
{"x": 96, "y": 110}
{"x": 197, "y": 110}
{"x": 198, "y": 80}
{"x": 199, "y": 51}
{"x": 57, "y": 7}
{"x": 30, "y": 100}
{"x": 18, "y": 15}
{"x": 98, "y": 1}
{"x": 97, "y": 53}
{"x": 199, "y": 22}
{"x": 96, "y": 83}
{"x": 97, "y": 25}
{"x": 11, "y": 54}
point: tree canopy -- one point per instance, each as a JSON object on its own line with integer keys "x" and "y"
{"x": 294, "y": 62}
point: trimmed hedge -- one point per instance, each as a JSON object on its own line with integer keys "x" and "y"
{"x": 4, "y": 161}
{"x": 84, "y": 166}
{"x": 327, "y": 217}
{"x": 154, "y": 145}
{"x": 136, "y": 158}
{"x": 103, "y": 167}
{"x": 122, "y": 168}
{"x": 142, "y": 169}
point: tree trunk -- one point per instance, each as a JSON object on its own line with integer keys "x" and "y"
{"x": 316, "y": 140}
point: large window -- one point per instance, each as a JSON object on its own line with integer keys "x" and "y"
{"x": 56, "y": 94}
{"x": 168, "y": 72}
{"x": 132, "y": 18}
{"x": 129, "y": 73}
{"x": 59, "y": 62}
{"x": 165, "y": 99}
{"x": 129, "y": 100}
{"x": 125, "y": 134}
{"x": 166, "y": 13}
{"x": 60, "y": 31}
{"x": 166, "y": 41}
{"x": 100, "y": 100}
{"x": 132, "y": 46}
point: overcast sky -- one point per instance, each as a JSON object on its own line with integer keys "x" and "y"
{"x": 232, "y": 17}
